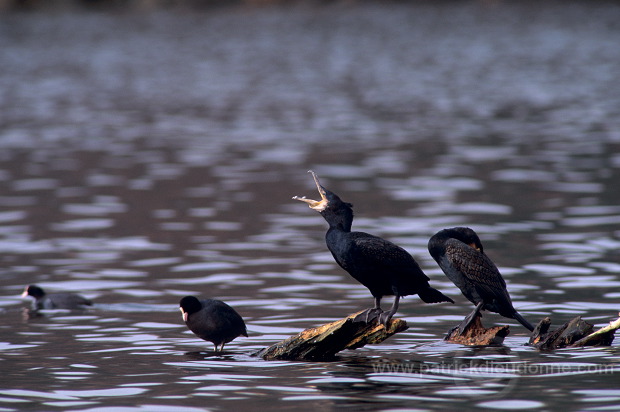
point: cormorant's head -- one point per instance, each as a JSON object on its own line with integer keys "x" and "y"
{"x": 329, "y": 200}
{"x": 467, "y": 236}
{"x": 337, "y": 213}
{"x": 34, "y": 291}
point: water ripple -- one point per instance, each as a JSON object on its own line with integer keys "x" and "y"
{"x": 139, "y": 165}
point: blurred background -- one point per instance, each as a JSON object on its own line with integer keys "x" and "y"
{"x": 150, "y": 149}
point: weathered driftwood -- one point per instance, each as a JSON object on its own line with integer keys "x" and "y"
{"x": 323, "y": 342}
{"x": 476, "y": 334}
{"x": 574, "y": 333}
{"x": 565, "y": 335}
{"x": 602, "y": 337}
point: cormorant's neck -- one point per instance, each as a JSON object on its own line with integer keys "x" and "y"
{"x": 341, "y": 226}
{"x": 339, "y": 220}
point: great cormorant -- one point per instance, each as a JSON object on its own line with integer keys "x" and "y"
{"x": 459, "y": 253}
{"x": 383, "y": 267}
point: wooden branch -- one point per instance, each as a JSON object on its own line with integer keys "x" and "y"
{"x": 476, "y": 334}
{"x": 540, "y": 331}
{"x": 574, "y": 333}
{"x": 602, "y": 337}
{"x": 565, "y": 335}
{"x": 323, "y": 342}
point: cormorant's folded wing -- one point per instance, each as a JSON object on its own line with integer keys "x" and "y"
{"x": 475, "y": 266}
{"x": 375, "y": 251}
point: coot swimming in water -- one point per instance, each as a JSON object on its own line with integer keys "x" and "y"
{"x": 383, "y": 267}
{"x": 55, "y": 300}
{"x": 212, "y": 320}
{"x": 459, "y": 253}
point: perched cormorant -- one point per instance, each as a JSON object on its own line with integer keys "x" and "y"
{"x": 212, "y": 320}
{"x": 54, "y": 300}
{"x": 383, "y": 267}
{"x": 459, "y": 253}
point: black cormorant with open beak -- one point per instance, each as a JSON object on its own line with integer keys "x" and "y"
{"x": 383, "y": 267}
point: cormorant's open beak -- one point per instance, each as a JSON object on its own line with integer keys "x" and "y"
{"x": 184, "y": 314}
{"x": 318, "y": 205}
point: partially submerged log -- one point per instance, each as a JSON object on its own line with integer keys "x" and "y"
{"x": 324, "y": 342}
{"x": 574, "y": 333}
{"x": 565, "y": 335}
{"x": 476, "y": 334}
{"x": 602, "y": 337}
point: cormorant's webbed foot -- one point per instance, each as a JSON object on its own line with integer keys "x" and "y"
{"x": 460, "y": 327}
{"x": 450, "y": 332}
{"x": 469, "y": 318}
{"x": 464, "y": 324}
{"x": 385, "y": 317}
{"x": 369, "y": 315}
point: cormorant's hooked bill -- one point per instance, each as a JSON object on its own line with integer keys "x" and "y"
{"x": 317, "y": 205}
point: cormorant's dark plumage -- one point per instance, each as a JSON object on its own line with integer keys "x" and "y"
{"x": 383, "y": 267}
{"x": 212, "y": 320}
{"x": 459, "y": 253}
{"x": 54, "y": 300}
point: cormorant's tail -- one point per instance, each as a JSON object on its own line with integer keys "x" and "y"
{"x": 517, "y": 316}
{"x": 431, "y": 295}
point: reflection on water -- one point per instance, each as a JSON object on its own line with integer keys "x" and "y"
{"x": 155, "y": 156}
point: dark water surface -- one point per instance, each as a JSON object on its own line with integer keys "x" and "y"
{"x": 144, "y": 157}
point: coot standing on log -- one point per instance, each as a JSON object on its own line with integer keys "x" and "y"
{"x": 383, "y": 267}
{"x": 212, "y": 320}
{"x": 459, "y": 253}
{"x": 55, "y": 300}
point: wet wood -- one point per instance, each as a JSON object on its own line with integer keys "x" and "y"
{"x": 324, "y": 342}
{"x": 476, "y": 334}
{"x": 602, "y": 337}
{"x": 574, "y": 333}
{"x": 540, "y": 331}
{"x": 565, "y": 335}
